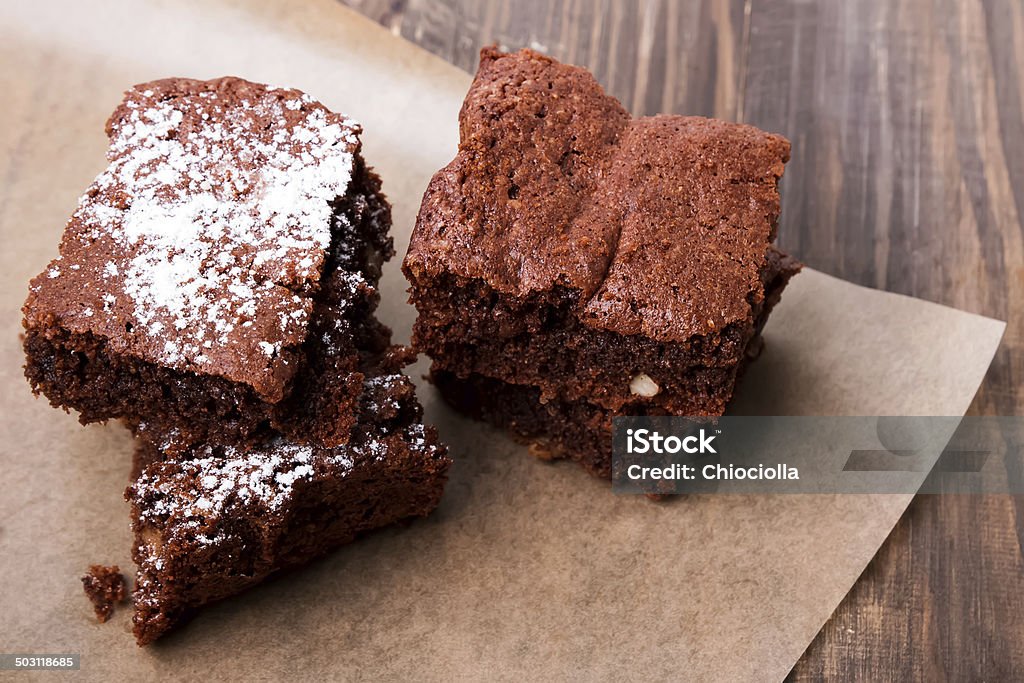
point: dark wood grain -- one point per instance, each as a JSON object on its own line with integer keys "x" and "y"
{"x": 906, "y": 127}
{"x": 655, "y": 56}
{"x": 907, "y": 122}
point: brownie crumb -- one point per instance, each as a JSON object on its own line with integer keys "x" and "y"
{"x": 105, "y": 588}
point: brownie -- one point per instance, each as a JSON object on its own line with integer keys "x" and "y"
{"x": 215, "y": 520}
{"x": 218, "y": 278}
{"x": 576, "y": 430}
{"x": 591, "y": 259}
{"x": 105, "y": 588}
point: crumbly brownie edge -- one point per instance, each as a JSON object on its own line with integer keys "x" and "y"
{"x": 343, "y": 338}
{"x": 380, "y": 374}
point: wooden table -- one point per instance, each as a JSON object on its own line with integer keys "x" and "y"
{"x": 907, "y": 123}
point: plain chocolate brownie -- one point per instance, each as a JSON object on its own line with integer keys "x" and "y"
{"x": 592, "y": 258}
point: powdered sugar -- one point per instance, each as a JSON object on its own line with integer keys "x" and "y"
{"x": 379, "y": 392}
{"x": 225, "y": 482}
{"x": 261, "y": 480}
{"x": 220, "y": 208}
{"x": 245, "y": 515}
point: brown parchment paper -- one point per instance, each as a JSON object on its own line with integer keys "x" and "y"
{"x": 528, "y": 568}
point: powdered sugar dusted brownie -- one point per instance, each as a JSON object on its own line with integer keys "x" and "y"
{"x": 219, "y": 520}
{"x": 218, "y": 277}
{"x": 602, "y": 263}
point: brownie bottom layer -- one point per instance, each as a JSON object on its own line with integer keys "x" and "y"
{"x": 579, "y": 430}
{"x": 554, "y": 429}
{"x": 576, "y": 431}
